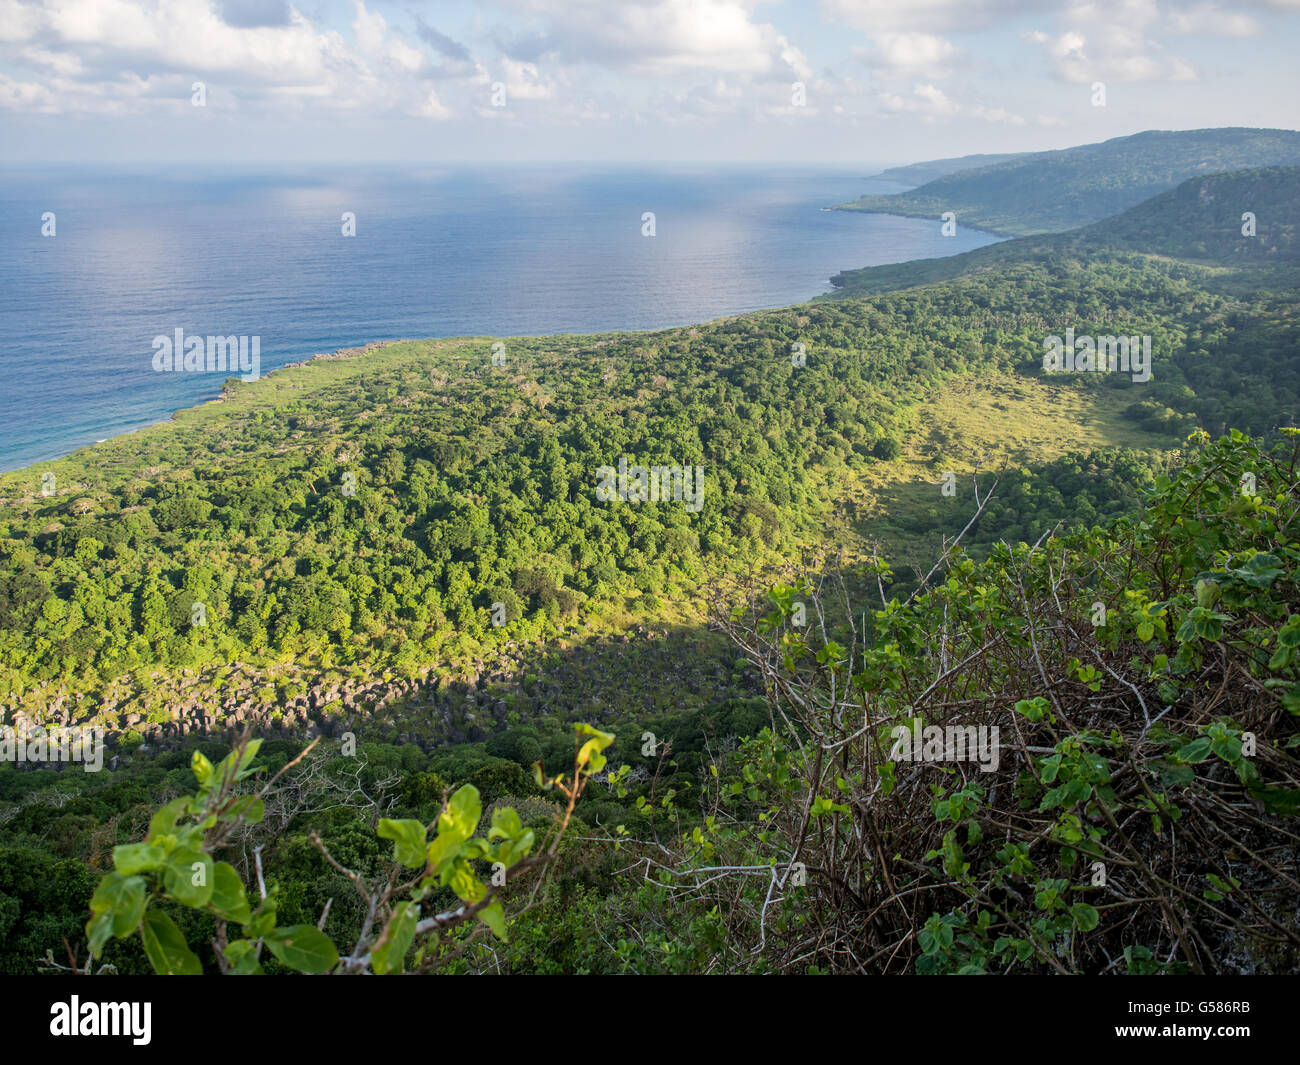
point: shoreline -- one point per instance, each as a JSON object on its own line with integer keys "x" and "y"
{"x": 849, "y": 208}
{"x": 219, "y": 394}
{"x": 218, "y": 397}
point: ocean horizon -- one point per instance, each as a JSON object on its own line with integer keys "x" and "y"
{"x": 496, "y": 251}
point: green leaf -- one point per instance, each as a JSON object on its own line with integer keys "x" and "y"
{"x": 132, "y": 858}
{"x": 476, "y": 848}
{"x": 99, "y": 929}
{"x": 495, "y": 918}
{"x": 228, "y": 897}
{"x": 408, "y": 840}
{"x": 1196, "y": 751}
{"x": 236, "y": 765}
{"x": 513, "y": 850}
{"x": 188, "y": 877}
{"x": 117, "y": 904}
{"x": 1085, "y": 917}
{"x": 461, "y": 879}
{"x": 1283, "y": 801}
{"x": 166, "y": 948}
{"x": 505, "y": 823}
{"x": 242, "y": 956}
{"x": 303, "y": 948}
{"x": 591, "y": 754}
{"x": 442, "y": 850}
{"x": 202, "y": 768}
{"x": 1033, "y": 709}
{"x": 251, "y": 808}
{"x": 458, "y": 821}
{"x": 262, "y": 923}
{"x": 1289, "y": 634}
{"x": 584, "y": 729}
{"x": 390, "y": 954}
{"x": 1227, "y": 747}
{"x": 1260, "y": 571}
{"x": 163, "y": 823}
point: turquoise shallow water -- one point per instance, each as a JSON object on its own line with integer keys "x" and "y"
{"x": 500, "y": 251}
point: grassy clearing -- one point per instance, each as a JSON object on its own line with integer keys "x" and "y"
{"x": 980, "y": 423}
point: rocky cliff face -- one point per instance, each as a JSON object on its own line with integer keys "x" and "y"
{"x": 664, "y": 669}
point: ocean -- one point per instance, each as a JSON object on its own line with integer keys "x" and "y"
{"x": 495, "y": 251}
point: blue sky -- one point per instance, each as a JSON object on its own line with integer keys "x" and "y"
{"x": 844, "y": 81}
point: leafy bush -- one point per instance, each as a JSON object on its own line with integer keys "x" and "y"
{"x": 1144, "y": 683}
{"x": 175, "y": 867}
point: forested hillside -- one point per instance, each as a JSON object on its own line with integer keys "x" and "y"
{"x": 402, "y": 553}
{"x": 1143, "y": 675}
{"x": 1048, "y": 192}
{"x": 1202, "y": 222}
{"x": 101, "y": 578}
{"x": 920, "y": 173}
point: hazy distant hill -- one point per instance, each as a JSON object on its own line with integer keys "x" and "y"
{"x": 920, "y": 173}
{"x": 1199, "y": 221}
{"x": 1049, "y": 192}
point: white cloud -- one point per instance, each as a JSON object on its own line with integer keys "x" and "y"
{"x": 370, "y": 31}
{"x": 1211, "y": 19}
{"x": 931, "y": 103}
{"x": 81, "y": 55}
{"x": 1109, "y": 40}
{"x": 26, "y": 96}
{"x": 933, "y": 16}
{"x": 524, "y": 82}
{"x": 66, "y": 64}
{"x": 104, "y": 49}
{"x": 911, "y": 54}
{"x": 664, "y": 37}
{"x": 433, "y": 108}
{"x": 578, "y": 60}
{"x": 18, "y": 21}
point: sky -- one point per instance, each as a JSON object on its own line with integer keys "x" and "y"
{"x": 172, "y": 83}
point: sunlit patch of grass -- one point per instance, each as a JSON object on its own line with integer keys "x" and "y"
{"x": 980, "y": 423}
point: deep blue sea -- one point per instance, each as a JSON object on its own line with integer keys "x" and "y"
{"x": 500, "y": 251}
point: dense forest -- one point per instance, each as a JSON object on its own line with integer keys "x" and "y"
{"x": 1146, "y": 672}
{"x": 395, "y": 569}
